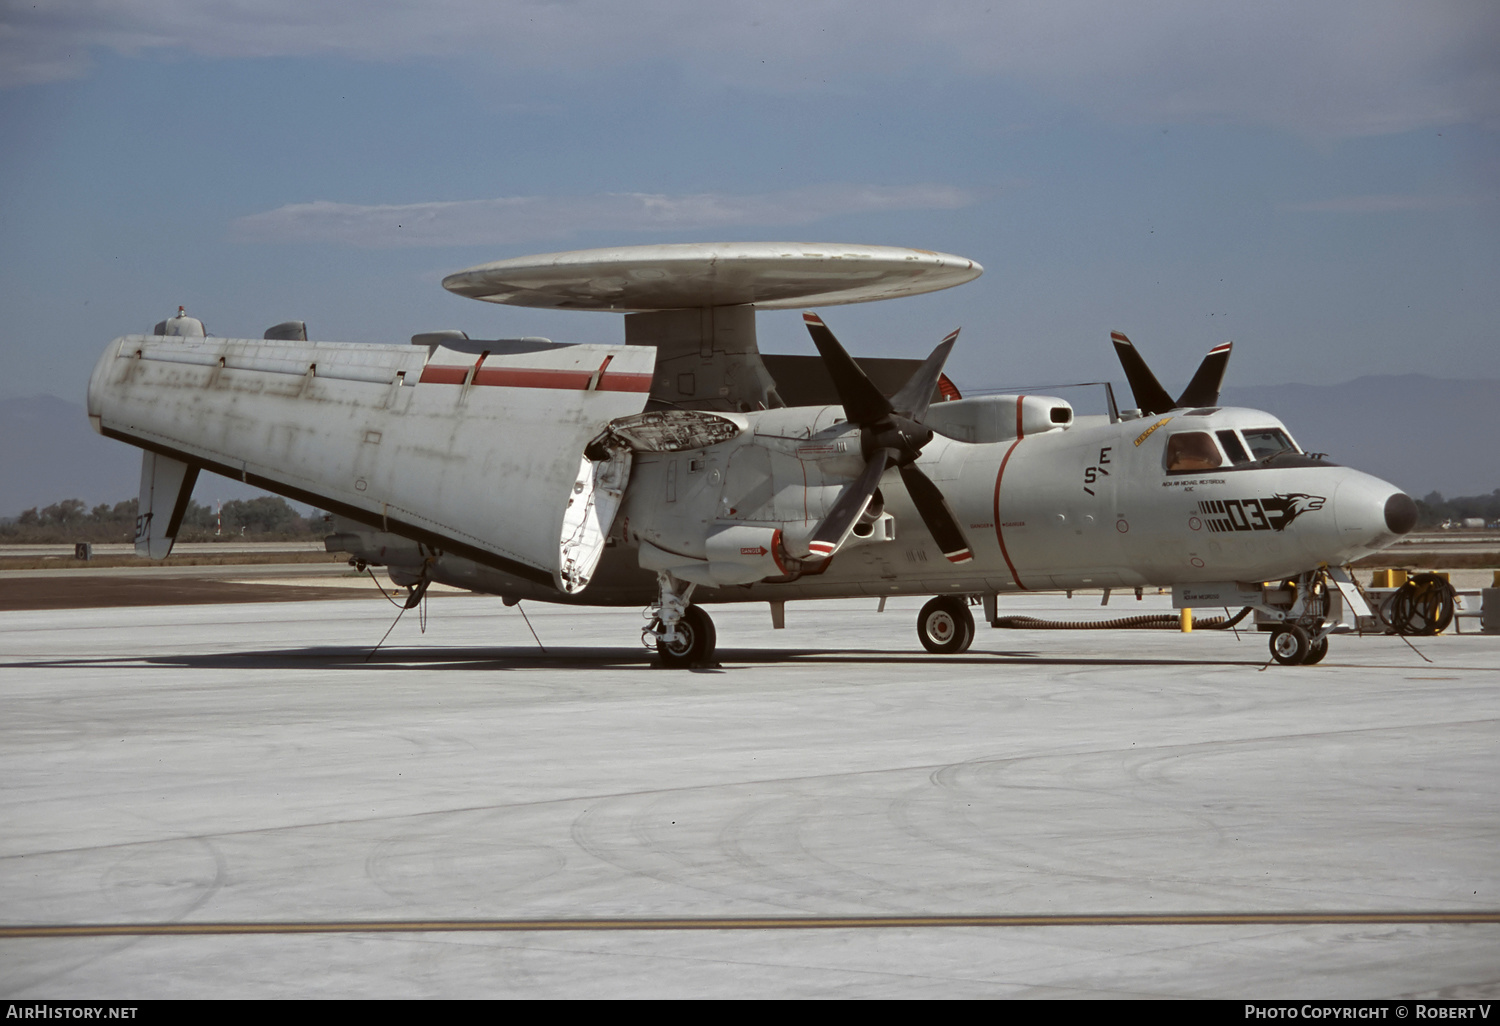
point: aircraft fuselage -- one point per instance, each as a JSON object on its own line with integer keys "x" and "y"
{"x": 460, "y": 470}
{"x": 1094, "y": 504}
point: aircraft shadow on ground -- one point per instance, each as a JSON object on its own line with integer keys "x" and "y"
{"x": 348, "y": 657}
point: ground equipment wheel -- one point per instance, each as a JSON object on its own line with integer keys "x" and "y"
{"x": 945, "y": 625}
{"x": 1315, "y": 652}
{"x": 696, "y": 639}
{"x": 1290, "y": 644}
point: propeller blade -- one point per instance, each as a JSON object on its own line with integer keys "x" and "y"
{"x": 1204, "y": 389}
{"x": 851, "y": 503}
{"x": 936, "y": 514}
{"x": 862, "y": 401}
{"x": 1149, "y": 395}
{"x": 916, "y": 395}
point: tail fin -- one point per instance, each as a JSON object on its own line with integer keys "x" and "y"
{"x": 1149, "y": 395}
{"x": 1204, "y": 389}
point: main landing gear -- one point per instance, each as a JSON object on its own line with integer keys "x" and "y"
{"x": 682, "y": 634}
{"x": 945, "y": 625}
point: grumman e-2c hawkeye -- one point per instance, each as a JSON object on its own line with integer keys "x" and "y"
{"x": 684, "y": 468}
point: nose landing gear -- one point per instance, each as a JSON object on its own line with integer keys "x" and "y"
{"x": 1294, "y": 645}
{"x": 1301, "y": 638}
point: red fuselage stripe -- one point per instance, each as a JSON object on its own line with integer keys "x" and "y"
{"x": 1000, "y": 531}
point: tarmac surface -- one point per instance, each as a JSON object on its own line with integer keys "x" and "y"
{"x": 501, "y": 819}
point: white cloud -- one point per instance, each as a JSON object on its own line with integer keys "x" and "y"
{"x": 1335, "y": 67}
{"x": 516, "y": 219}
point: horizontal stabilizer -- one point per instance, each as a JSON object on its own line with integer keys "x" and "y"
{"x": 166, "y": 487}
{"x": 805, "y": 381}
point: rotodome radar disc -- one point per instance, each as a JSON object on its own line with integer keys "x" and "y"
{"x": 768, "y": 275}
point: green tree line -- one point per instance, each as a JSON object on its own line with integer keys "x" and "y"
{"x": 268, "y": 518}
{"x": 1433, "y": 509}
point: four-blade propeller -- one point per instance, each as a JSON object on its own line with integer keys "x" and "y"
{"x": 1152, "y": 399}
{"x": 891, "y": 435}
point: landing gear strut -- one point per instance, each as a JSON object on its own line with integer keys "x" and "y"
{"x": 1301, "y": 639}
{"x": 945, "y": 625}
{"x": 683, "y": 634}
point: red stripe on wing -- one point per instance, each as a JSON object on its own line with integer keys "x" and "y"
{"x": 533, "y": 377}
{"x": 622, "y": 382}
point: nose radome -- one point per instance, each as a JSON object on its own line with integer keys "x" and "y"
{"x": 1400, "y": 513}
{"x": 1370, "y": 513}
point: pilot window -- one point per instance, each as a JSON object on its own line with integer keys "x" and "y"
{"x": 1267, "y": 442}
{"x": 1192, "y": 450}
{"x": 1232, "y": 446}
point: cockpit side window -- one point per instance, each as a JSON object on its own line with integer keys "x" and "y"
{"x": 1193, "y": 450}
{"x": 1267, "y": 442}
{"x": 1232, "y": 446}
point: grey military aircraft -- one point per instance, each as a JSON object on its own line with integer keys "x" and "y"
{"x": 686, "y": 468}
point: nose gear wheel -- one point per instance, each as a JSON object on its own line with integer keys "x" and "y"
{"x": 1290, "y": 645}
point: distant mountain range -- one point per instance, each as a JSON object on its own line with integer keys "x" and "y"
{"x": 1423, "y": 434}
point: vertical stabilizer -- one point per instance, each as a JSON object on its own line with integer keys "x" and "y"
{"x": 1150, "y": 397}
{"x": 1204, "y": 389}
{"x": 166, "y": 487}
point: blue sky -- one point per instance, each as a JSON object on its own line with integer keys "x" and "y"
{"x": 1319, "y": 182}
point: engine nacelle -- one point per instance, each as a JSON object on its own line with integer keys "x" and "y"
{"x": 736, "y": 554}
{"x": 745, "y": 509}
{"x": 987, "y": 419}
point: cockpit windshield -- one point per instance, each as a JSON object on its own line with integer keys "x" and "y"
{"x": 1231, "y": 443}
{"x": 1267, "y": 442}
{"x": 1192, "y": 450}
